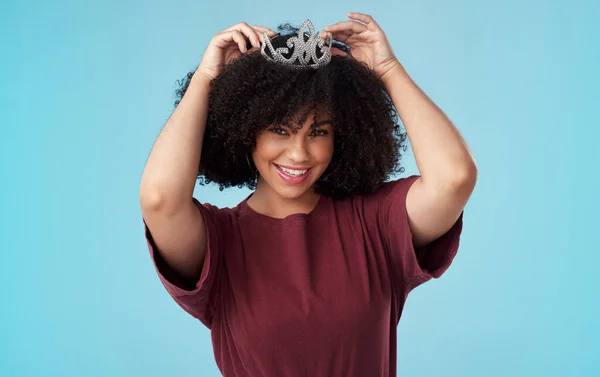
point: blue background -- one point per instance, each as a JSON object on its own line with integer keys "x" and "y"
{"x": 87, "y": 86}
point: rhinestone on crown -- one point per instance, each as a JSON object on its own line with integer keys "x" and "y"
{"x": 303, "y": 51}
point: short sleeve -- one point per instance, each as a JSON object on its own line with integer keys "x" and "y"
{"x": 412, "y": 267}
{"x": 199, "y": 301}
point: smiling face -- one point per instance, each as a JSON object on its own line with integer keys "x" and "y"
{"x": 290, "y": 163}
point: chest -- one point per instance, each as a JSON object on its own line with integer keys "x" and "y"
{"x": 305, "y": 283}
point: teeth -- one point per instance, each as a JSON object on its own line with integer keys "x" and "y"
{"x": 295, "y": 173}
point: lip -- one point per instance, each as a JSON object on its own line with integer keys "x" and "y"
{"x": 294, "y": 167}
{"x": 291, "y": 179}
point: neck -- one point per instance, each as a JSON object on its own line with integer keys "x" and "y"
{"x": 268, "y": 202}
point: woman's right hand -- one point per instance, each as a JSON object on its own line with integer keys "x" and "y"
{"x": 229, "y": 44}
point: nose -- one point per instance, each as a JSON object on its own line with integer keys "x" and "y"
{"x": 297, "y": 150}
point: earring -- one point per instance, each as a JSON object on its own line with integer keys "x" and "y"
{"x": 254, "y": 170}
{"x": 326, "y": 177}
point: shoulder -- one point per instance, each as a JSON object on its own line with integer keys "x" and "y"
{"x": 221, "y": 217}
{"x": 389, "y": 191}
{"x": 388, "y": 195}
{"x": 402, "y": 184}
{"x": 214, "y": 208}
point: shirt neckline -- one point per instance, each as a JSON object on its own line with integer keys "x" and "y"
{"x": 314, "y": 213}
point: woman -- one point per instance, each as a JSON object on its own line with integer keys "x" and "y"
{"x": 308, "y": 275}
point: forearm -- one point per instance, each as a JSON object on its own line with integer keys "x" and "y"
{"x": 442, "y": 155}
{"x": 172, "y": 167}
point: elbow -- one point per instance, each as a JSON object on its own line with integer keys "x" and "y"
{"x": 154, "y": 200}
{"x": 468, "y": 175}
{"x": 465, "y": 178}
{"x": 151, "y": 199}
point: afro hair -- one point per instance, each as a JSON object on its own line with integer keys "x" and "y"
{"x": 250, "y": 94}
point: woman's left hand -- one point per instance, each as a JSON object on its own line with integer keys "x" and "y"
{"x": 367, "y": 41}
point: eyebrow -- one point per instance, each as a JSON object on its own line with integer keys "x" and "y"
{"x": 315, "y": 125}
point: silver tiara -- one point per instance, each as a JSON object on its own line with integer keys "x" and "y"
{"x": 303, "y": 51}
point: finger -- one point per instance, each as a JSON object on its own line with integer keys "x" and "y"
{"x": 248, "y": 31}
{"x": 239, "y": 38}
{"x": 354, "y": 26}
{"x": 344, "y": 37}
{"x": 366, "y": 18}
{"x": 252, "y": 34}
{"x": 262, "y": 34}
{"x": 336, "y": 51}
{"x": 263, "y": 29}
{"x": 323, "y": 35}
{"x": 340, "y": 36}
{"x": 260, "y": 30}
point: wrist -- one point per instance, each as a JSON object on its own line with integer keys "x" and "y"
{"x": 201, "y": 78}
{"x": 395, "y": 68}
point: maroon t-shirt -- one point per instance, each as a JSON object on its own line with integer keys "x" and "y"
{"x": 316, "y": 294}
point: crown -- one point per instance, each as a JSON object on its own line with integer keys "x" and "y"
{"x": 303, "y": 51}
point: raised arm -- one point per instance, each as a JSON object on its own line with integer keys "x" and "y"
{"x": 448, "y": 170}
{"x": 168, "y": 181}
{"x": 174, "y": 220}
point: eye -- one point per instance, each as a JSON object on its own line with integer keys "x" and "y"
{"x": 318, "y": 132}
{"x": 278, "y": 130}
